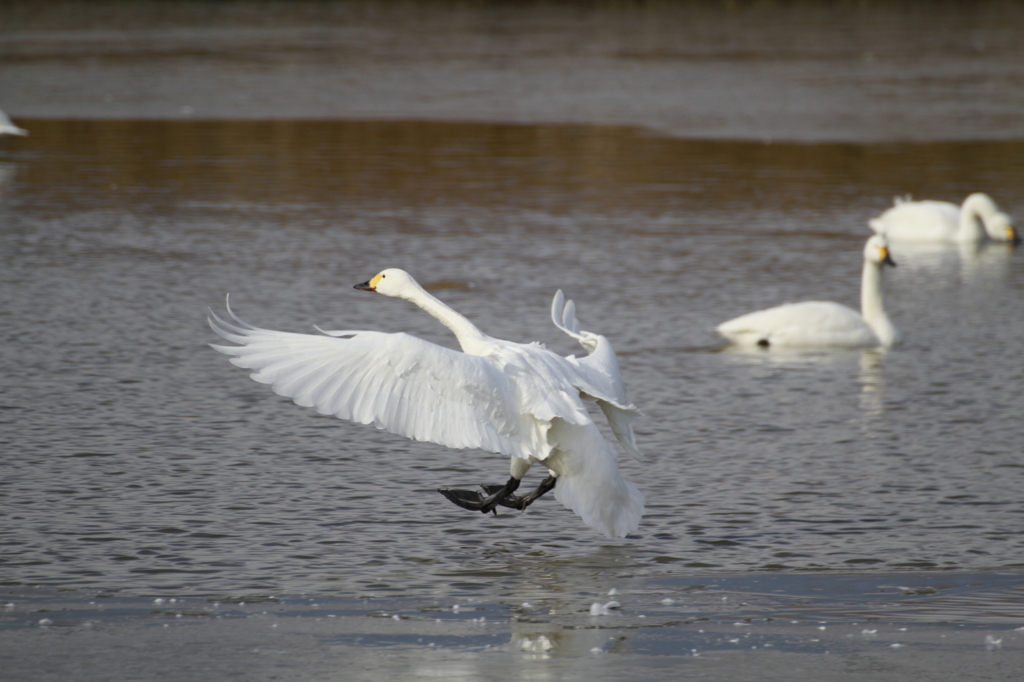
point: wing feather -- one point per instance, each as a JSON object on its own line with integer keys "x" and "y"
{"x": 394, "y": 381}
{"x": 598, "y": 375}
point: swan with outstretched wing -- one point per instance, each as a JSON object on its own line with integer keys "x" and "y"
{"x": 518, "y": 399}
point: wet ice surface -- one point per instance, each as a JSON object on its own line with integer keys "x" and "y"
{"x": 885, "y": 626}
{"x": 858, "y": 492}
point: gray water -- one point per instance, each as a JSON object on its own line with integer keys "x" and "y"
{"x": 138, "y": 458}
{"x": 135, "y": 461}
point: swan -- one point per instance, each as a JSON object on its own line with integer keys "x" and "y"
{"x": 823, "y": 323}
{"x": 976, "y": 220}
{"x": 8, "y": 128}
{"x": 520, "y": 400}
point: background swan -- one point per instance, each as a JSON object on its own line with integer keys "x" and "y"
{"x": 976, "y": 220}
{"x": 823, "y": 323}
{"x": 8, "y": 128}
{"x": 517, "y": 399}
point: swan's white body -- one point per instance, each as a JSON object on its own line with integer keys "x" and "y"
{"x": 978, "y": 219}
{"x": 823, "y": 323}
{"x": 517, "y": 399}
{"x": 8, "y": 128}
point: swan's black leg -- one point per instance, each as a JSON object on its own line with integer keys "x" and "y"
{"x": 547, "y": 485}
{"x": 475, "y": 500}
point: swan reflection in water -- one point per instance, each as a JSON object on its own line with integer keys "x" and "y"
{"x": 971, "y": 262}
{"x": 820, "y": 371}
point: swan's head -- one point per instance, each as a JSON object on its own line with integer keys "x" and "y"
{"x": 1001, "y": 229}
{"x": 877, "y": 251}
{"x": 997, "y": 224}
{"x": 390, "y": 282}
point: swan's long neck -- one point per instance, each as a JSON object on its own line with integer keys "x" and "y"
{"x": 872, "y": 306}
{"x": 471, "y": 339}
{"x": 975, "y": 214}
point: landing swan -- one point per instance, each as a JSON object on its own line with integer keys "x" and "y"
{"x": 823, "y": 323}
{"x": 976, "y": 220}
{"x": 517, "y": 399}
{"x": 8, "y": 128}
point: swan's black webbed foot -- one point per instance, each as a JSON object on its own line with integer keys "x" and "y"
{"x": 477, "y": 501}
{"x": 467, "y": 499}
{"x": 494, "y": 495}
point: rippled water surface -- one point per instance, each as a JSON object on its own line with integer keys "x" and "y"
{"x": 137, "y": 459}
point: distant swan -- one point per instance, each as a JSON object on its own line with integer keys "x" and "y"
{"x": 517, "y": 399}
{"x": 941, "y": 221}
{"x": 823, "y": 323}
{"x": 8, "y": 128}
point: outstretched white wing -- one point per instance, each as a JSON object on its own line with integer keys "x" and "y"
{"x": 600, "y": 377}
{"x": 396, "y": 382}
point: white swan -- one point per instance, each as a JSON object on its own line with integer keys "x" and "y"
{"x": 8, "y": 128}
{"x": 517, "y": 399}
{"x": 976, "y": 220}
{"x": 823, "y": 323}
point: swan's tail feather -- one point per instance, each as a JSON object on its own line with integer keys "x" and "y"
{"x": 616, "y": 518}
{"x": 589, "y": 482}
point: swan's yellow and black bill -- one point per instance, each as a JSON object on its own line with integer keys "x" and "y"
{"x": 886, "y": 258}
{"x": 1012, "y": 236}
{"x": 371, "y": 285}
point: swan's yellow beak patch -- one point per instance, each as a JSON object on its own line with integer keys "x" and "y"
{"x": 884, "y": 257}
{"x": 375, "y": 281}
{"x": 1011, "y": 234}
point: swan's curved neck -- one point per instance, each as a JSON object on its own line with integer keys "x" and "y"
{"x": 872, "y": 305}
{"x": 975, "y": 214}
{"x": 471, "y": 339}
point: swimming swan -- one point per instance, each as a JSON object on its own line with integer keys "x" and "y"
{"x": 517, "y": 399}
{"x": 941, "y": 221}
{"x": 8, "y": 128}
{"x": 823, "y": 323}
